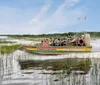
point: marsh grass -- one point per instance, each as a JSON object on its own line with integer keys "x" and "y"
{"x": 62, "y": 70}
{"x": 95, "y": 74}
{"x": 65, "y": 77}
{"x": 8, "y": 49}
{"x": 5, "y": 42}
{"x": 67, "y": 65}
{"x": 83, "y": 65}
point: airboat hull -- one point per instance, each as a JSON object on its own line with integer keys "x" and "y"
{"x": 56, "y": 50}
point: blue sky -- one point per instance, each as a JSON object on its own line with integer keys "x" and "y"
{"x": 48, "y": 16}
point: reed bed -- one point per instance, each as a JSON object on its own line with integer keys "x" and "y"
{"x": 68, "y": 71}
{"x": 8, "y": 49}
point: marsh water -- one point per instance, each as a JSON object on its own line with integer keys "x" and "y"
{"x": 22, "y": 68}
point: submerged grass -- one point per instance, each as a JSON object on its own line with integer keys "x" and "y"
{"x": 83, "y": 65}
{"x": 66, "y": 65}
{"x": 8, "y": 49}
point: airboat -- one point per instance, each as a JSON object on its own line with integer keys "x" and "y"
{"x": 79, "y": 43}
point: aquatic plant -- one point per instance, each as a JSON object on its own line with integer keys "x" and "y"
{"x": 67, "y": 66}
{"x": 8, "y": 49}
{"x": 5, "y": 42}
{"x": 83, "y": 65}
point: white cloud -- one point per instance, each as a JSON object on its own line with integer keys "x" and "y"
{"x": 42, "y": 12}
{"x": 59, "y": 21}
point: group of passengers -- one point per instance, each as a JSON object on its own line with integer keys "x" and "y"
{"x": 76, "y": 41}
{"x": 55, "y": 41}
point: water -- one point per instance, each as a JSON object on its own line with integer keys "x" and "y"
{"x": 3, "y": 37}
{"x": 12, "y": 74}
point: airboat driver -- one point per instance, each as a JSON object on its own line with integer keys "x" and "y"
{"x": 84, "y": 40}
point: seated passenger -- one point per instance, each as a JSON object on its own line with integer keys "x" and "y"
{"x": 74, "y": 41}
{"x": 41, "y": 42}
{"x": 81, "y": 41}
{"x": 45, "y": 43}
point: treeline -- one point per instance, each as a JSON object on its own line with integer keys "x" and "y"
{"x": 92, "y": 34}
{"x": 42, "y": 35}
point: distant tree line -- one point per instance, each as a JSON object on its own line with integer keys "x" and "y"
{"x": 92, "y": 34}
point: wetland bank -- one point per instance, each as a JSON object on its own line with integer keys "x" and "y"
{"x": 21, "y": 68}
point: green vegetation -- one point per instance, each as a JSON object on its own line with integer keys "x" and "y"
{"x": 5, "y": 42}
{"x": 32, "y": 37}
{"x": 93, "y": 34}
{"x": 40, "y": 37}
{"x": 83, "y": 65}
{"x": 64, "y": 64}
{"x": 8, "y": 49}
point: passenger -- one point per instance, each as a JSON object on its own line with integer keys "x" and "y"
{"x": 50, "y": 42}
{"x": 53, "y": 43}
{"x": 45, "y": 43}
{"x": 42, "y": 42}
{"x": 56, "y": 42}
{"x": 81, "y": 41}
{"x": 74, "y": 40}
{"x": 68, "y": 39}
{"x": 64, "y": 43}
{"x": 59, "y": 42}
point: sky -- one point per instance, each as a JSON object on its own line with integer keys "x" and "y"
{"x": 48, "y": 16}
